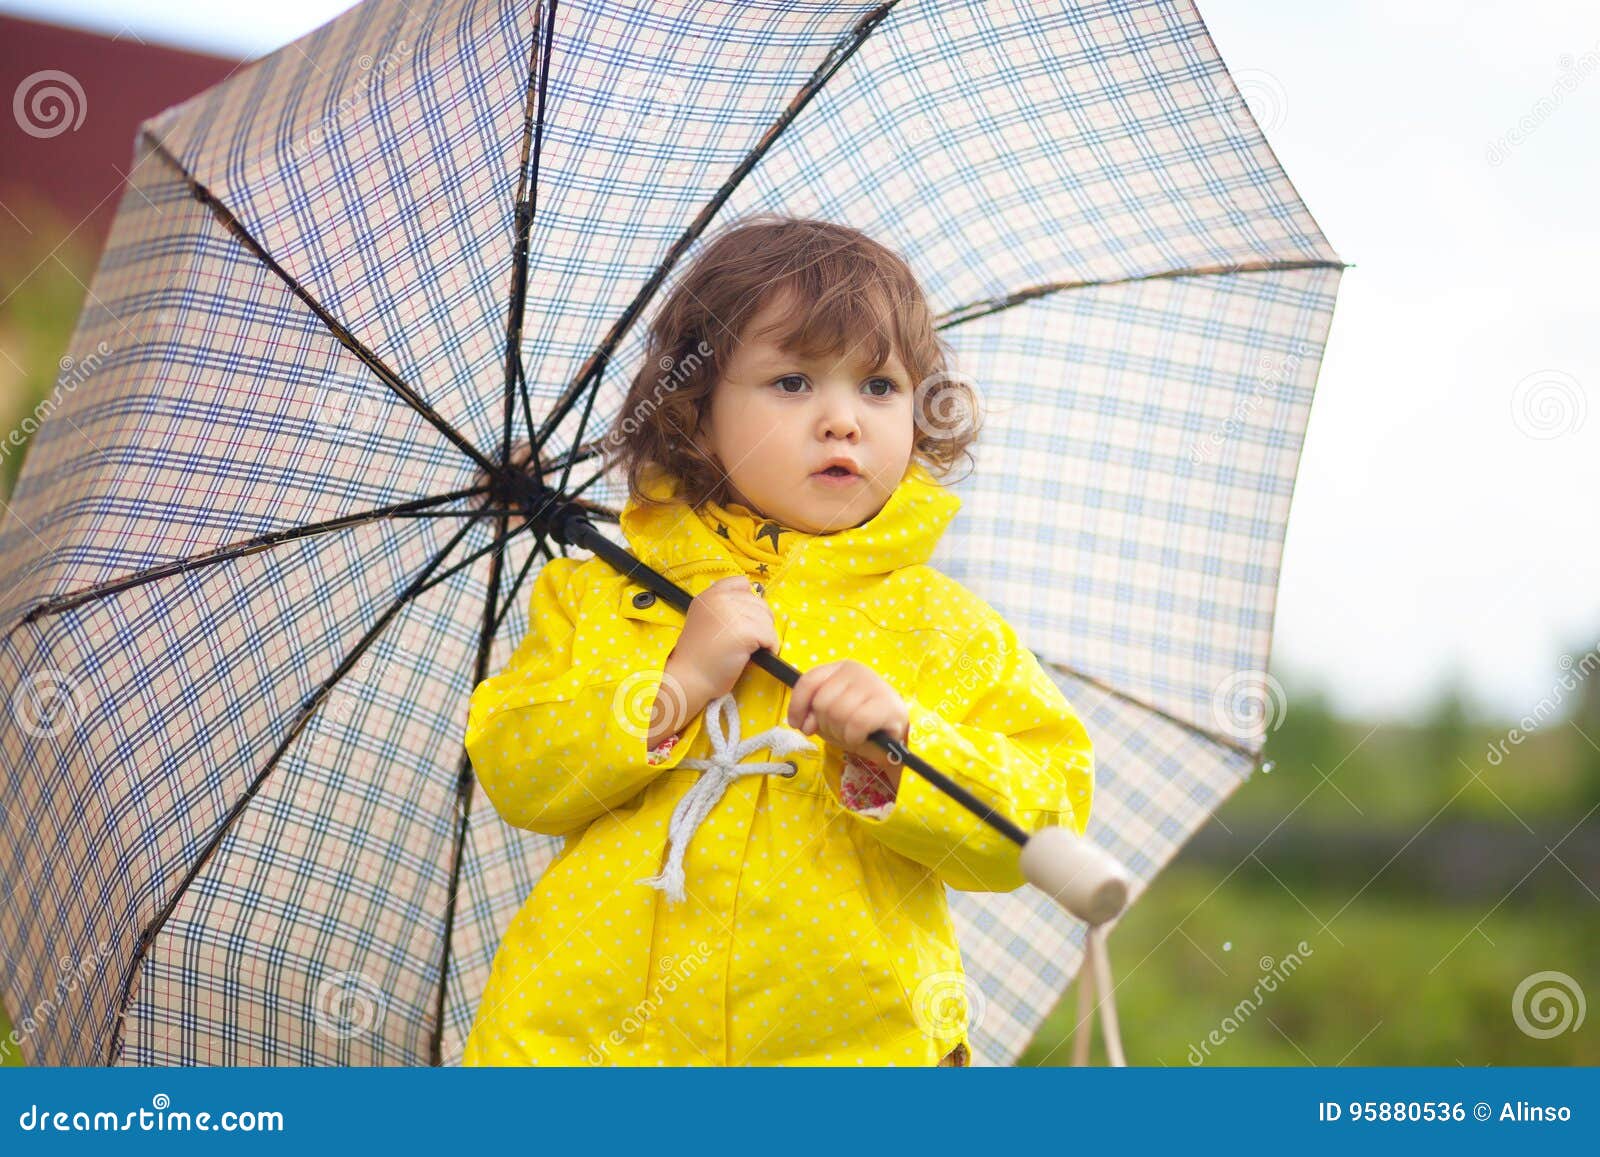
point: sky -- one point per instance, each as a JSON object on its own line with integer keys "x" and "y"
{"x": 1443, "y": 527}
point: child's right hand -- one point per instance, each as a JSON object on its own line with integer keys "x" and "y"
{"x": 726, "y": 623}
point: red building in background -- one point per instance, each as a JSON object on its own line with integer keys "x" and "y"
{"x": 74, "y": 101}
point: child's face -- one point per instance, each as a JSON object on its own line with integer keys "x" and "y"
{"x": 775, "y": 419}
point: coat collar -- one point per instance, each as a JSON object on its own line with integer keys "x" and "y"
{"x": 722, "y": 540}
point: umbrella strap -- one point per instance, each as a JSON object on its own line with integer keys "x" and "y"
{"x": 1097, "y": 993}
{"x": 727, "y": 763}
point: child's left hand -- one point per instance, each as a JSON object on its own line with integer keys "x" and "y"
{"x": 846, "y": 701}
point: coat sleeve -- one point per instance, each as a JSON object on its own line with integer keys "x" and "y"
{"x": 994, "y": 722}
{"x": 558, "y": 738}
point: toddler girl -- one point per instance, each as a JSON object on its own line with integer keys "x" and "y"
{"x": 745, "y": 879}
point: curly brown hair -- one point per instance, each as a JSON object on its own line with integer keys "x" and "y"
{"x": 855, "y": 291}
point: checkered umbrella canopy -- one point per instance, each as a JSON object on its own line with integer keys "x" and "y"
{"x": 247, "y": 582}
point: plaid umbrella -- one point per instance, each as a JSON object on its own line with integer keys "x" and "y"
{"x": 251, "y": 572}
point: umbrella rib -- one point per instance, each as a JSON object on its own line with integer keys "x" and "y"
{"x": 591, "y": 369}
{"x": 493, "y": 616}
{"x": 527, "y": 204}
{"x": 307, "y": 708}
{"x": 583, "y": 424}
{"x": 976, "y": 309}
{"x": 491, "y": 593}
{"x": 458, "y": 851}
{"x": 413, "y": 508}
{"x": 541, "y": 543}
{"x": 343, "y": 335}
{"x": 495, "y": 545}
{"x": 1135, "y": 701}
{"x": 577, "y": 453}
{"x": 973, "y": 310}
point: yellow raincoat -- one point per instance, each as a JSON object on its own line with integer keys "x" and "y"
{"x": 811, "y": 933}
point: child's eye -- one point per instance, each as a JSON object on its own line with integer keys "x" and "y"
{"x": 889, "y": 384}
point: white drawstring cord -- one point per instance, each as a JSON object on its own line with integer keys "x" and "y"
{"x": 724, "y": 766}
{"x": 1096, "y": 992}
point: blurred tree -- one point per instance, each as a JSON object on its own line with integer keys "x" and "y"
{"x": 44, "y": 269}
{"x": 1447, "y": 753}
{"x": 1446, "y": 731}
{"x": 1584, "y": 722}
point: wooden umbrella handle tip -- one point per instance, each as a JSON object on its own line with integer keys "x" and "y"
{"x": 1078, "y": 874}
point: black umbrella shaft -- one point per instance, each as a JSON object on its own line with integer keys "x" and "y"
{"x": 576, "y": 530}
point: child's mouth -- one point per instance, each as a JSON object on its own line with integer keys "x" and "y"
{"x": 837, "y": 476}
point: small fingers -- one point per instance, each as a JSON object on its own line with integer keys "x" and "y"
{"x": 803, "y": 697}
{"x": 878, "y": 709}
